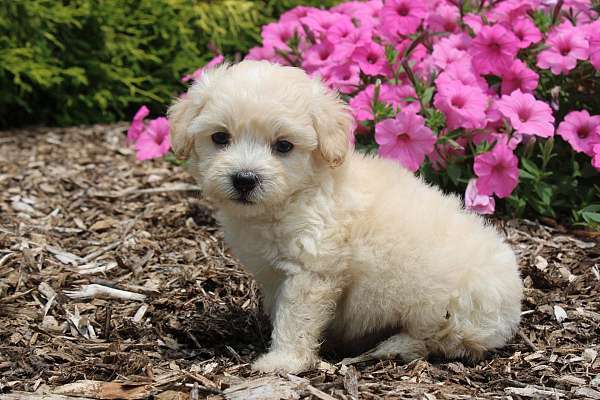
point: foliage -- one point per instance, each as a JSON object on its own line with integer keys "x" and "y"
{"x": 84, "y": 61}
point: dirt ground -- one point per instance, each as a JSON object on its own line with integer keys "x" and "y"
{"x": 115, "y": 283}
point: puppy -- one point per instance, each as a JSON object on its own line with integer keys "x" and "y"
{"x": 347, "y": 248}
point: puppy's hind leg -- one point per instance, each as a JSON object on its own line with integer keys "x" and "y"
{"x": 402, "y": 346}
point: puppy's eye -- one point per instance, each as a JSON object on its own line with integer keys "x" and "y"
{"x": 283, "y": 146}
{"x": 221, "y": 138}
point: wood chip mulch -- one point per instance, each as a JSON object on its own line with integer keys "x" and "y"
{"x": 115, "y": 283}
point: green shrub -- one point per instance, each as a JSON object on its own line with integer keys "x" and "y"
{"x": 88, "y": 61}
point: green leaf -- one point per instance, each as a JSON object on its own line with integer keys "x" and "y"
{"x": 531, "y": 168}
{"x": 454, "y": 172}
{"x": 427, "y": 95}
{"x": 591, "y": 217}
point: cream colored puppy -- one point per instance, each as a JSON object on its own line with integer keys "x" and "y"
{"x": 348, "y": 249}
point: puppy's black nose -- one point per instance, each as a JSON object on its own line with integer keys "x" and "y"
{"x": 244, "y": 181}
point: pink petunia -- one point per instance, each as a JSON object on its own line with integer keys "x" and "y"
{"x": 527, "y": 115}
{"x": 464, "y": 106}
{"x": 295, "y": 14}
{"x": 519, "y": 76}
{"x": 510, "y": 10}
{"x": 581, "y": 131}
{"x": 405, "y": 138}
{"x": 476, "y": 202}
{"x": 371, "y": 59}
{"x": 318, "y": 56}
{"x": 345, "y": 46}
{"x": 444, "y": 19}
{"x": 497, "y": 171}
{"x": 362, "y": 103}
{"x": 320, "y": 21}
{"x": 526, "y": 32}
{"x": 594, "y": 44}
{"x": 154, "y": 140}
{"x": 218, "y": 59}
{"x": 444, "y": 55}
{"x": 566, "y": 46}
{"x": 276, "y": 35}
{"x": 265, "y": 53}
{"x": 474, "y": 21}
{"x": 137, "y": 125}
{"x": 596, "y": 158}
{"x": 403, "y": 16}
{"x": 493, "y": 50}
{"x": 461, "y": 71}
{"x": 341, "y": 31}
{"x": 366, "y": 13}
{"x": 345, "y": 77}
{"x": 460, "y": 41}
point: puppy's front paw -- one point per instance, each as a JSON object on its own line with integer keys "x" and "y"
{"x": 281, "y": 361}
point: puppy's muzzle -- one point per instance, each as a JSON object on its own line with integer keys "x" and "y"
{"x": 245, "y": 182}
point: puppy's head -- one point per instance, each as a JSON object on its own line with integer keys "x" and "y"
{"x": 255, "y": 133}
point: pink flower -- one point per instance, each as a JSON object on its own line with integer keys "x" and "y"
{"x": 276, "y": 35}
{"x": 444, "y": 19}
{"x": 567, "y": 45}
{"x": 218, "y": 59}
{"x": 460, "y": 41}
{"x": 405, "y": 138}
{"x": 526, "y": 32}
{"x": 137, "y": 125}
{"x": 508, "y": 11}
{"x": 519, "y": 76}
{"x": 594, "y": 44}
{"x": 320, "y": 21}
{"x": 265, "y": 53}
{"x": 581, "y": 131}
{"x": 345, "y": 77}
{"x": 444, "y": 55}
{"x": 403, "y": 16}
{"x": 596, "y": 159}
{"x": 318, "y": 56}
{"x": 493, "y": 50}
{"x": 371, "y": 59}
{"x": 362, "y": 103}
{"x": 479, "y": 203}
{"x": 340, "y": 31}
{"x": 461, "y": 71}
{"x": 154, "y": 140}
{"x": 365, "y": 12}
{"x": 497, "y": 171}
{"x": 295, "y": 14}
{"x": 451, "y": 49}
{"x": 474, "y": 21}
{"x": 526, "y": 114}
{"x": 464, "y": 106}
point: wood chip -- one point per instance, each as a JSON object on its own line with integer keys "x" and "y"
{"x": 560, "y": 314}
{"x": 351, "y": 382}
{"x": 588, "y": 393}
{"x": 104, "y": 390}
{"x": 95, "y": 291}
{"x": 533, "y": 392}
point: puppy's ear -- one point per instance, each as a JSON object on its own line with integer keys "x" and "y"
{"x": 332, "y": 122}
{"x": 187, "y": 107}
{"x": 180, "y": 114}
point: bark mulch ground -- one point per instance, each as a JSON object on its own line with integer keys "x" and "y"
{"x": 115, "y": 283}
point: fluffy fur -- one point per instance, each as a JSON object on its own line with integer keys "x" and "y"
{"x": 348, "y": 249}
